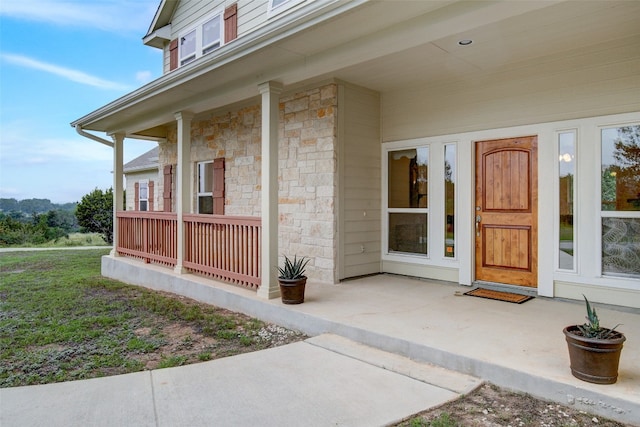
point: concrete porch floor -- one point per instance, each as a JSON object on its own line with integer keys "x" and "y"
{"x": 518, "y": 346}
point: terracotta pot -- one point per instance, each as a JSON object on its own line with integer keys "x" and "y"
{"x": 292, "y": 290}
{"x": 594, "y": 360}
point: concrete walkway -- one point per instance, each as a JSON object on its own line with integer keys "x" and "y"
{"x": 324, "y": 381}
{"x": 348, "y": 377}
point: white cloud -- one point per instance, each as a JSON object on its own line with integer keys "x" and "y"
{"x": 52, "y": 151}
{"x": 20, "y": 146}
{"x": 67, "y": 73}
{"x": 107, "y": 15}
{"x": 143, "y": 76}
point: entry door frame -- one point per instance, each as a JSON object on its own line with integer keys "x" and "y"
{"x": 511, "y": 221}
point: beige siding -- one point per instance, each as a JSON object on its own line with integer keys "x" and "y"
{"x": 359, "y": 158}
{"x": 252, "y": 14}
{"x": 583, "y": 85}
{"x": 188, "y": 13}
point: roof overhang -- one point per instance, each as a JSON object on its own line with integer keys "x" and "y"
{"x": 159, "y": 37}
{"x": 402, "y": 44}
{"x": 163, "y": 16}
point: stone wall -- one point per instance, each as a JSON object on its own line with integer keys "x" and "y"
{"x": 308, "y": 179}
{"x": 307, "y": 170}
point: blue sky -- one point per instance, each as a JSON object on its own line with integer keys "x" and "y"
{"x": 60, "y": 60}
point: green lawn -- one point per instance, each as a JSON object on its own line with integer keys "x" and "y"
{"x": 60, "y": 321}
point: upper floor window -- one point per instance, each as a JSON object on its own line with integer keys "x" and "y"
{"x": 204, "y": 38}
{"x": 277, "y": 6}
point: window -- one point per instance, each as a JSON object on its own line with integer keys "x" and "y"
{"x": 277, "y": 6}
{"x": 205, "y": 187}
{"x": 204, "y": 38}
{"x": 450, "y": 200}
{"x": 566, "y": 194}
{"x": 408, "y": 200}
{"x": 188, "y": 47}
{"x": 210, "y": 187}
{"x": 211, "y": 35}
{"x": 620, "y": 201}
{"x": 143, "y": 195}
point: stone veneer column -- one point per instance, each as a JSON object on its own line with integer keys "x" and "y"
{"x": 270, "y": 92}
{"x": 183, "y": 182}
{"x": 118, "y": 164}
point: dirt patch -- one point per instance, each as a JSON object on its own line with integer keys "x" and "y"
{"x": 492, "y": 406}
{"x": 180, "y": 341}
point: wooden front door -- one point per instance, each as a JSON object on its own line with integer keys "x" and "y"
{"x": 506, "y": 211}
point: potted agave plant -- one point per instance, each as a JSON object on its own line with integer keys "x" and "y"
{"x": 292, "y": 280}
{"x": 594, "y": 351}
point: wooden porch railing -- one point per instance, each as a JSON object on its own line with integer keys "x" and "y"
{"x": 222, "y": 247}
{"x": 150, "y": 236}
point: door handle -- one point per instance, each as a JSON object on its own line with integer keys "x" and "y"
{"x": 478, "y": 219}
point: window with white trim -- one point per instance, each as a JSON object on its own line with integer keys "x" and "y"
{"x": 205, "y": 188}
{"x": 620, "y": 197}
{"x": 408, "y": 200}
{"x": 143, "y": 195}
{"x": 450, "y": 200}
{"x": 566, "y": 199}
{"x": 206, "y": 37}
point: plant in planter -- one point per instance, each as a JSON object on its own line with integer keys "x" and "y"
{"x": 594, "y": 351}
{"x": 292, "y": 280}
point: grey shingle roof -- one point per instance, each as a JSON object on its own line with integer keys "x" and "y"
{"x": 146, "y": 161}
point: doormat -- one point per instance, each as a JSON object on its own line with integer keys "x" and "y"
{"x": 500, "y": 296}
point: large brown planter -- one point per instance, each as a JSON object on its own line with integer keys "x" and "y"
{"x": 292, "y": 290}
{"x": 594, "y": 360}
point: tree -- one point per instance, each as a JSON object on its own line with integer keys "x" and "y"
{"x": 627, "y": 156}
{"x": 95, "y": 213}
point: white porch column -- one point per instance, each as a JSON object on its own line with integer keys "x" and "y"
{"x": 270, "y": 92}
{"x": 183, "y": 182}
{"x": 118, "y": 189}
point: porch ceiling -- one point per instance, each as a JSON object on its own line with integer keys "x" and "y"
{"x": 385, "y": 46}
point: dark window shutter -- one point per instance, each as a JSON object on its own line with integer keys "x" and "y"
{"x": 166, "y": 194}
{"x": 173, "y": 55}
{"x": 136, "y": 196}
{"x": 218, "y": 186}
{"x": 231, "y": 23}
{"x": 150, "y": 196}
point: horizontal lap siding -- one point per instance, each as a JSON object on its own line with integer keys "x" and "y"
{"x": 360, "y": 189}
{"x": 188, "y": 13}
{"x": 581, "y": 85}
{"x": 251, "y": 15}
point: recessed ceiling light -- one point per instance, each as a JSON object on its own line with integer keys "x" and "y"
{"x": 465, "y": 42}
